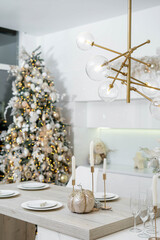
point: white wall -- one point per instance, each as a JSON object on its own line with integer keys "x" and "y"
{"x": 80, "y": 98}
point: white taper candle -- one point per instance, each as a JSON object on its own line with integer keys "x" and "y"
{"x": 154, "y": 189}
{"x": 73, "y": 168}
{"x": 91, "y": 154}
{"x": 104, "y": 165}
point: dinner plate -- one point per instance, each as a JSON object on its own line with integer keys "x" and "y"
{"x": 25, "y": 205}
{"x": 108, "y": 199}
{"x": 101, "y": 195}
{"x": 11, "y": 193}
{"x": 26, "y": 186}
{"x": 42, "y": 204}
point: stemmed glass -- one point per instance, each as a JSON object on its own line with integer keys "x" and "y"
{"x": 144, "y": 214}
{"x": 150, "y": 228}
{"x": 135, "y": 208}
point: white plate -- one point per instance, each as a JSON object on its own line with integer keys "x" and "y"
{"x": 101, "y": 195}
{"x": 41, "y": 204}
{"x": 14, "y": 193}
{"x": 33, "y": 185}
{"x": 108, "y": 199}
{"x": 22, "y": 186}
{"x": 6, "y": 192}
{"x": 25, "y": 205}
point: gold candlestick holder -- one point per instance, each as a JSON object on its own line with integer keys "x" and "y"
{"x": 92, "y": 171}
{"x": 105, "y": 207}
{"x": 155, "y": 218}
{"x": 73, "y": 184}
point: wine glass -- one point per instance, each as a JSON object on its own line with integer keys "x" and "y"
{"x": 150, "y": 228}
{"x": 135, "y": 208}
{"x": 144, "y": 214}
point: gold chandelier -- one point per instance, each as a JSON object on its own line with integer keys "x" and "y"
{"x": 100, "y": 68}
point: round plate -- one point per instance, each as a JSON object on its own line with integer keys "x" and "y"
{"x": 101, "y": 195}
{"x": 22, "y": 186}
{"x": 41, "y": 204}
{"x": 33, "y": 185}
{"x": 15, "y": 193}
{"x": 108, "y": 199}
{"x": 25, "y": 205}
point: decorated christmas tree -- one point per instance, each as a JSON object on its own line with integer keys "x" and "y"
{"x": 36, "y": 145}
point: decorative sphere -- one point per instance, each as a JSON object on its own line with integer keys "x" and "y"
{"x": 64, "y": 178}
{"x": 14, "y": 134}
{"x": 85, "y": 40}
{"x": 28, "y": 84}
{"x": 8, "y": 138}
{"x": 149, "y": 91}
{"x": 97, "y": 68}
{"x": 155, "y": 108}
{"x": 24, "y": 104}
{"x": 106, "y": 93}
{"x": 32, "y": 136}
{"x": 56, "y": 115}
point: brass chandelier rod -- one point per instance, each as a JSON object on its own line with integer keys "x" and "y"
{"x": 122, "y": 54}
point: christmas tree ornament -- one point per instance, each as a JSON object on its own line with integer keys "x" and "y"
{"x": 8, "y": 138}
{"x": 56, "y": 115}
{"x": 63, "y": 178}
{"x": 14, "y": 134}
{"x": 24, "y": 104}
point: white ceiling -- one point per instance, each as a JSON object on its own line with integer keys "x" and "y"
{"x": 38, "y": 17}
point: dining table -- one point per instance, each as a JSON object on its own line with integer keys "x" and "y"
{"x": 17, "y": 223}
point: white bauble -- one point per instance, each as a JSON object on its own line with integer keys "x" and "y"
{"x": 38, "y": 89}
{"x": 44, "y": 85}
{"x": 28, "y": 79}
{"x": 40, "y": 81}
{"x": 8, "y": 146}
{"x": 57, "y": 125}
{"x": 60, "y": 158}
{"x": 33, "y": 105}
{"x": 34, "y": 72}
{"x": 26, "y": 65}
{"x": 20, "y": 119}
{"x": 19, "y": 78}
{"x": 41, "y": 178}
{"x": 48, "y": 126}
{"x": 53, "y": 96}
{"x": 26, "y": 94}
{"x": 26, "y": 152}
{"x": 19, "y": 140}
{"x": 38, "y": 111}
{"x": 44, "y": 74}
{"x": 65, "y": 148}
{"x": 32, "y": 87}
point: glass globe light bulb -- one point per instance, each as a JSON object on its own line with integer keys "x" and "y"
{"x": 155, "y": 108}
{"x": 106, "y": 93}
{"x": 85, "y": 40}
{"x": 97, "y": 68}
{"x": 150, "y": 92}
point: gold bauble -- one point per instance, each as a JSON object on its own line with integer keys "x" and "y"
{"x": 56, "y": 115}
{"x": 28, "y": 84}
{"x": 63, "y": 178}
{"x": 14, "y": 134}
{"x": 8, "y": 138}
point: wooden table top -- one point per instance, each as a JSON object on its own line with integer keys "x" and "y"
{"x": 84, "y": 226}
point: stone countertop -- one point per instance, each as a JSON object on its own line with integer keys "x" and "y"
{"x": 84, "y": 226}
